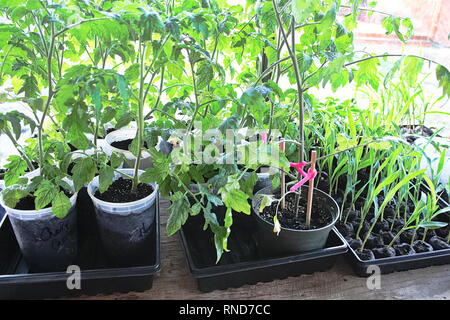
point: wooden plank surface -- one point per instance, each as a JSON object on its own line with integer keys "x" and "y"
{"x": 176, "y": 282}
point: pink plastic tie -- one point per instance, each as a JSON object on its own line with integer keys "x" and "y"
{"x": 264, "y": 138}
{"x": 307, "y": 176}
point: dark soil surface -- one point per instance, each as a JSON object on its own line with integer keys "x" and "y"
{"x": 416, "y": 130}
{"x": 420, "y": 246}
{"x": 438, "y": 243}
{"x": 124, "y": 144}
{"x": 383, "y": 252}
{"x": 365, "y": 254}
{"x": 120, "y": 192}
{"x": 320, "y": 215}
{"x": 403, "y": 249}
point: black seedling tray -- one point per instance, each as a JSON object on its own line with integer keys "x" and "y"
{"x": 97, "y": 274}
{"x": 400, "y": 263}
{"x": 244, "y": 264}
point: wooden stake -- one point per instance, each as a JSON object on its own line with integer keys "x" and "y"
{"x": 283, "y": 182}
{"x": 310, "y": 191}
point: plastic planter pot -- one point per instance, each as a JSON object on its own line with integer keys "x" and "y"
{"x": 47, "y": 243}
{"x": 125, "y": 227}
{"x": 122, "y": 135}
{"x": 292, "y": 240}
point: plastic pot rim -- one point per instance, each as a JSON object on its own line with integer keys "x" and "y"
{"x": 91, "y": 191}
{"x": 120, "y": 135}
{"x": 331, "y": 224}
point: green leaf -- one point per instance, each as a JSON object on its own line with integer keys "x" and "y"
{"x": 30, "y": 86}
{"x": 248, "y": 184}
{"x": 15, "y": 168}
{"x": 196, "y": 208}
{"x": 132, "y": 73}
{"x": 124, "y": 120}
{"x": 329, "y": 18}
{"x": 108, "y": 114}
{"x": 443, "y": 77}
{"x": 301, "y": 9}
{"x": 116, "y": 159}
{"x": 205, "y": 74}
{"x": 83, "y": 171}
{"x": 150, "y": 22}
{"x": 367, "y": 72}
{"x": 237, "y": 200}
{"x": 45, "y": 194}
{"x": 266, "y": 201}
{"x": 122, "y": 86}
{"x": 106, "y": 176}
{"x": 157, "y": 173}
{"x": 179, "y": 212}
{"x": 255, "y": 101}
{"x": 12, "y": 195}
{"x": 432, "y": 224}
{"x": 61, "y": 205}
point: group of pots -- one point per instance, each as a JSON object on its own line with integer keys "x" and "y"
{"x": 49, "y": 243}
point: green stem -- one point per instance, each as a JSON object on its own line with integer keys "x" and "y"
{"x": 194, "y": 82}
{"x": 395, "y": 238}
{"x": 4, "y": 60}
{"x": 49, "y": 98}
{"x": 159, "y": 95}
{"x": 424, "y": 235}
{"x": 18, "y": 148}
{"x": 140, "y": 119}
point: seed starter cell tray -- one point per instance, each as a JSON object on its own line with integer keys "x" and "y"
{"x": 399, "y": 263}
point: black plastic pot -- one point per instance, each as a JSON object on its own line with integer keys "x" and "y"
{"x": 125, "y": 227}
{"x": 292, "y": 240}
{"x": 245, "y": 264}
{"x": 97, "y": 275}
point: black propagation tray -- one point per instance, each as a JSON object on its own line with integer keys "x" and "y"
{"x": 97, "y": 274}
{"x": 363, "y": 268}
{"x": 244, "y": 264}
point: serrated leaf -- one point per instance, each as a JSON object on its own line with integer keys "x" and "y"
{"x": 106, "y": 176}
{"x": 179, "y": 212}
{"x": 443, "y": 77}
{"x": 196, "y": 208}
{"x": 83, "y": 172}
{"x": 61, "y": 205}
{"x": 116, "y": 159}
{"x": 15, "y": 168}
{"x": 45, "y": 194}
{"x": 205, "y": 73}
{"x": 12, "y": 195}
{"x": 237, "y": 200}
{"x": 124, "y": 120}
{"x": 132, "y": 72}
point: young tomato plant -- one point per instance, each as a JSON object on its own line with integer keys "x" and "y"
{"x": 34, "y": 41}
